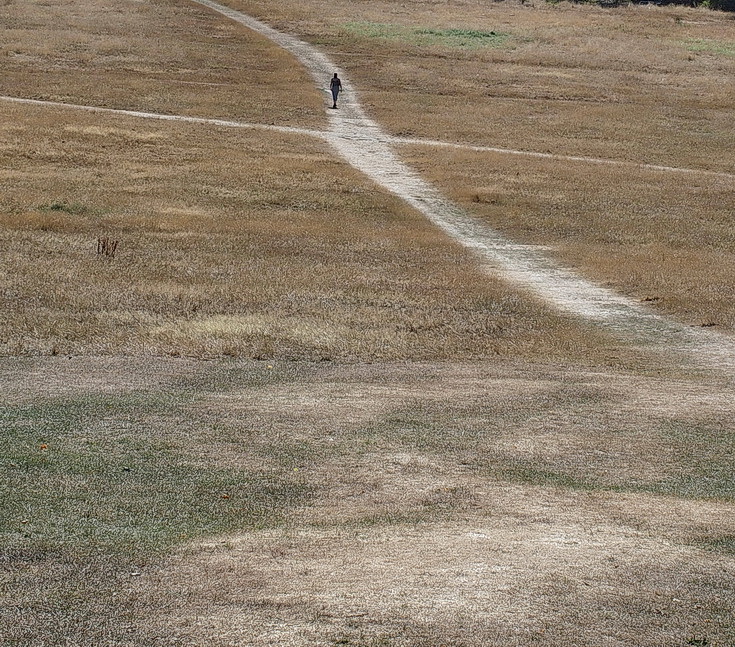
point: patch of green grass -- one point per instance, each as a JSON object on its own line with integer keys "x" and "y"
{"x": 703, "y": 451}
{"x": 711, "y": 46}
{"x": 706, "y": 451}
{"x": 713, "y": 485}
{"x": 225, "y": 376}
{"x": 468, "y": 427}
{"x": 698, "y": 642}
{"x": 426, "y": 37}
{"x": 63, "y": 207}
{"x": 465, "y": 38}
{"x": 721, "y": 544}
{"x": 288, "y": 454}
{"x": 115, "y": 473}
{"x": 98, "y": 489}
{"x": 687, "y": 486}
{"x": 535, "y": 474}
{"x": 385, "y": 518}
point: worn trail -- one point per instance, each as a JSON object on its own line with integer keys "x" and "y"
{"x": 225, "y": 123}
{"x": 387, "y": 139}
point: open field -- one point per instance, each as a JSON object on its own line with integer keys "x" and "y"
{"x": 641, "y": 84}
{"x": 392, "y": 504}
{"x": 659, "y": 237}
{"x": 169, "y": 57}
{"x": 244, "y": 244}
{"x": 290, "y": 411}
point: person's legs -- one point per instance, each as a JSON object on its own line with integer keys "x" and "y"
{"x": 335, "y": 93}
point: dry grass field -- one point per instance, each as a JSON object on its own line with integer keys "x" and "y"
{"x": 662, "y": 238}
{"x": 642, "y": 84}
{"x": 169, "y": 57}
{"x": 240, "y": 244}
{"x": 176, "y": 502}
{"x": 289, "y": 411}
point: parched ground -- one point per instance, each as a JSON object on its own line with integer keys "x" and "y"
{"x": 290, "y": 411}
{"x": 663, "y": 238}
{"x": 248, "y": 503}
{"x": 487, "y": 518}
{"x": 238, "y": 244}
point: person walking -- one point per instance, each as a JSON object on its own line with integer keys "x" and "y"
{"x": 335, "y": 86}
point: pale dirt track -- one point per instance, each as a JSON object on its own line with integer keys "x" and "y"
{"x": 385, "y": 138}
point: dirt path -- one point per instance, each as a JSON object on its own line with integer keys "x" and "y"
{"x": 224, "y": 123}
{"x": 329, "y": 135}
{"x": 366, "y": 147}
{"x": 563, "y": 158}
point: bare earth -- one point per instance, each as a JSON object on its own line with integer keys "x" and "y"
{"x": 406, "y": 546}
{"x": 448, "y": 504}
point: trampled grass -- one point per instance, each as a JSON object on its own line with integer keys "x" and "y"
{"x": 540, "y": 475}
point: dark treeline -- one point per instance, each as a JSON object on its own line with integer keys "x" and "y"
{"x": 718, "y": 5}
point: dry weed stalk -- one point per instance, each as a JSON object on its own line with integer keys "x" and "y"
{"x": 106, "y": 247}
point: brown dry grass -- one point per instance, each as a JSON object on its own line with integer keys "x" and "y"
{"x": 170, "y": 57}
{"x": 233, "y": 243}
{"x": 442, "y": 515}
{"x": 624, "y": 84}
{"x": 663, "y": 238}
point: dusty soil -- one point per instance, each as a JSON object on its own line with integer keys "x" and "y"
{"x": 456, "y": 504}
{"x": 412, "y": 540}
